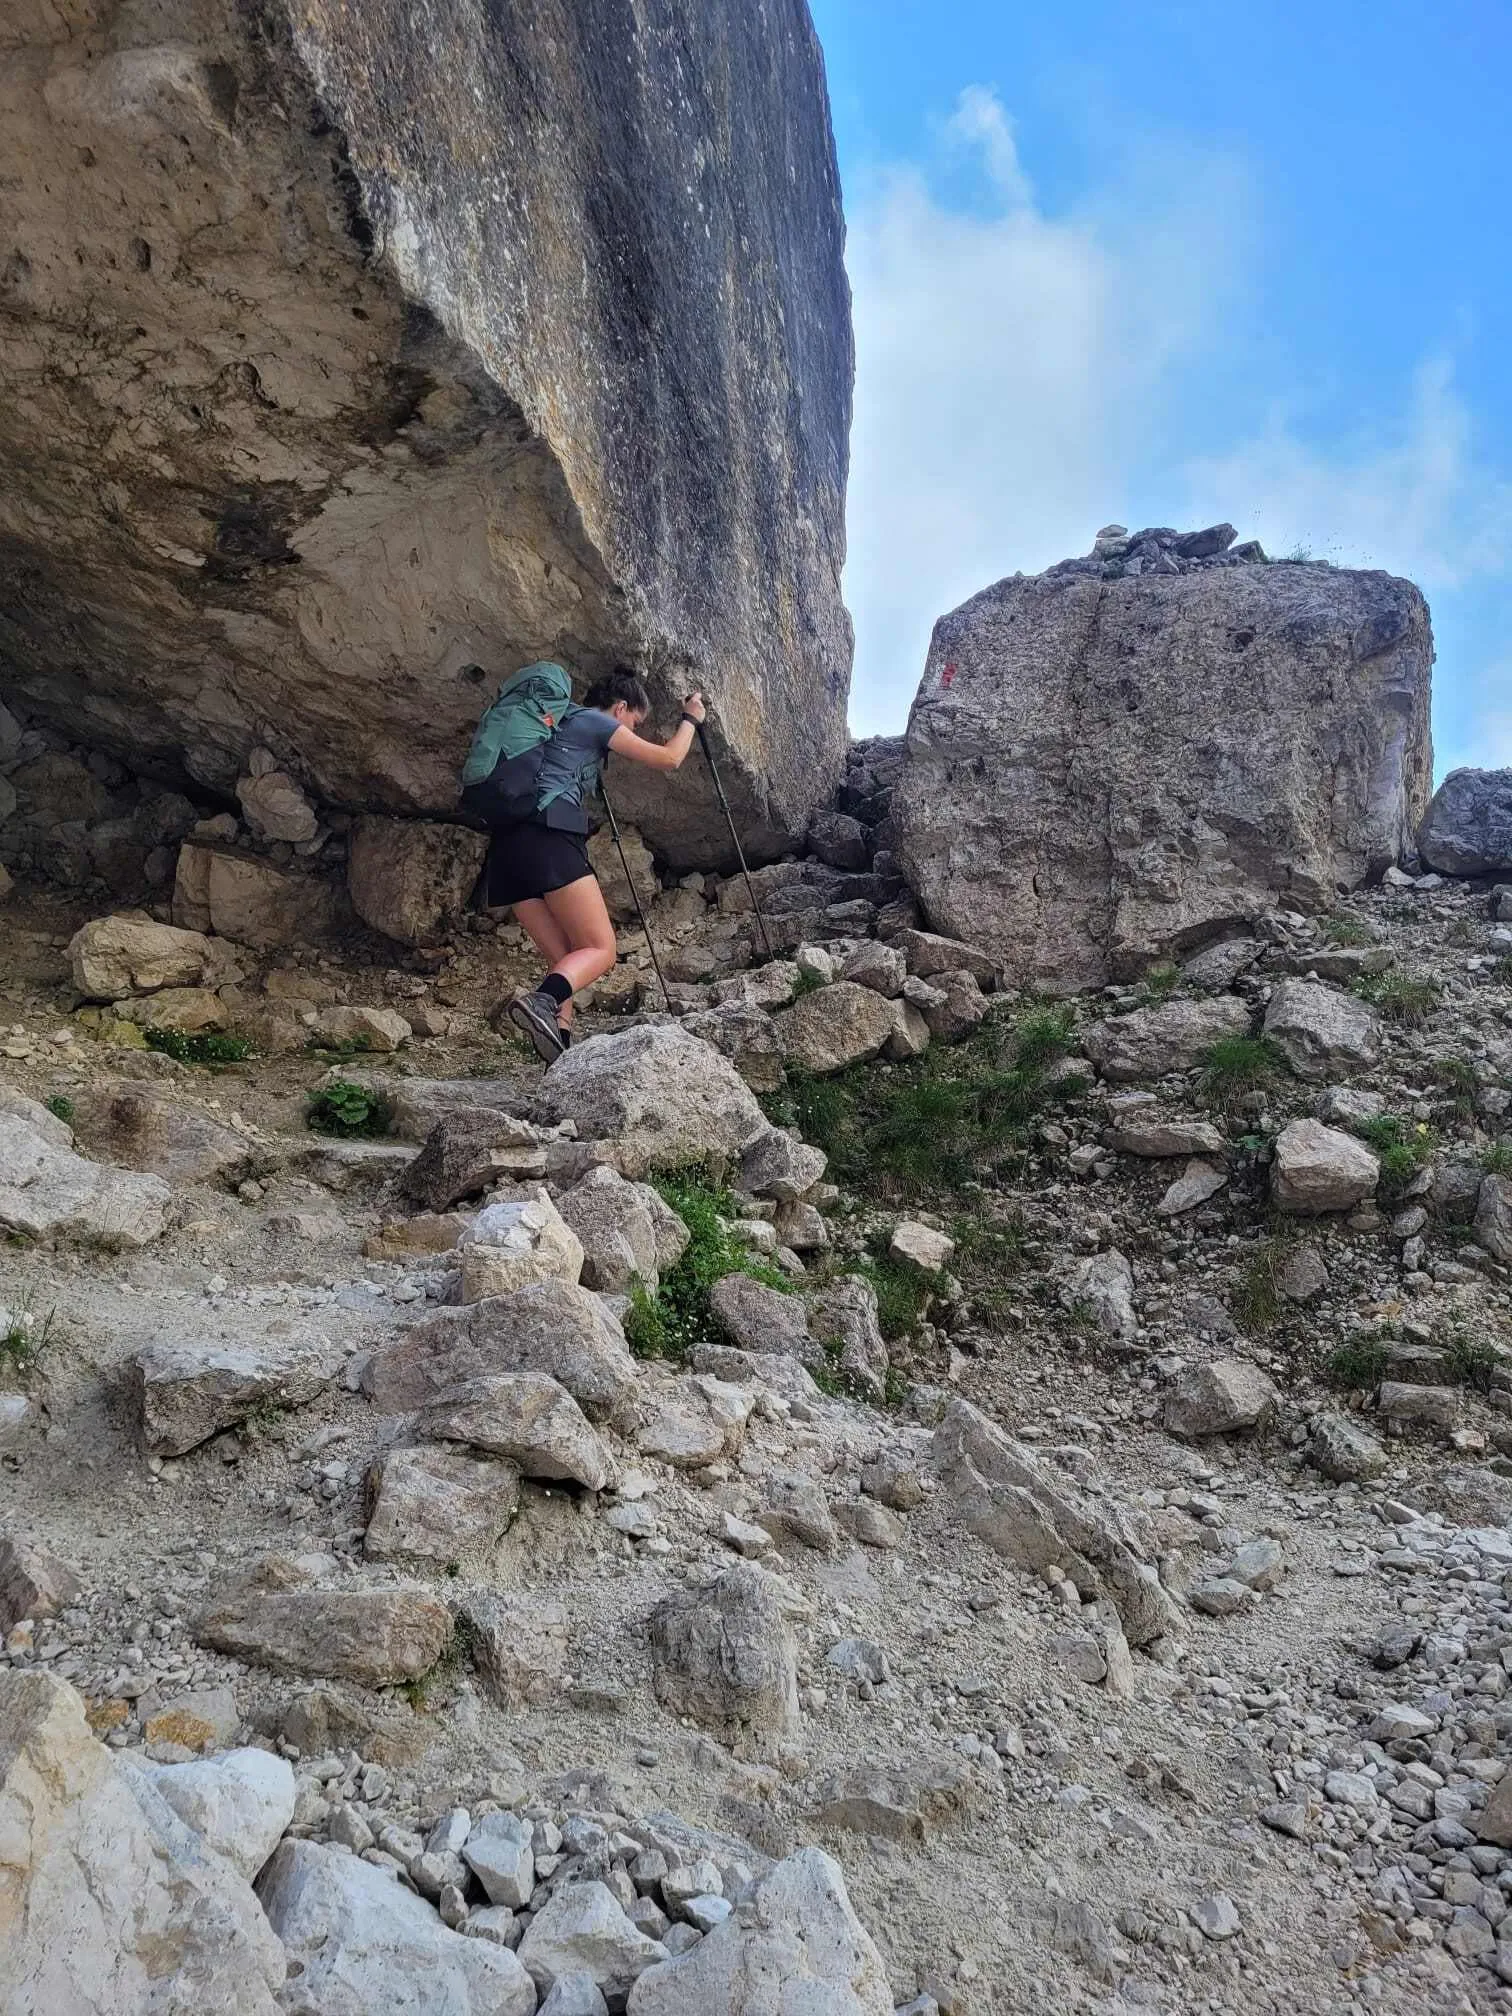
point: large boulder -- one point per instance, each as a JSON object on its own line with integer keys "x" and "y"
{"x": 665, "y": 1097}
{"x": 130, "y": 954}
{"x": 109, "y": 1902}
{"x": 248, "y": 899}
{"x": 512, "y": 1245}
{"x": 183, "y": 1392}
{"x": 795, "y": 1943}
{"x": 410, "y": 878}
{"x": 1174, "y": 1035}
{"x": 239, "y": 1804}
{"x": 1321, "y": 1032}
{"x": 436, "y": 1504}
{"x": 1316, "y": 1168}
{"x": 1013, "y": 1503}
{"x": 1105, "y": 771}
{"x": 552, "y": 355}
{"x": 726, "y": 1654}
{"x": 376, "y": 1637}
{"x": 360, "y": 1942}
{"x": 1468, "y": 830}
{"x": 529, "y": 1420}
{"x": 167, "y": 1137}
{"x": 627, "y": 1231}
{"x": 49, "y": 1192}
{"x": 835, "y": 1026}
{"x": 553, "y": 1326}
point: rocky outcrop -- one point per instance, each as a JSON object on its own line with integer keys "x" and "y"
{"x": 1468, "y": 830}
{"x": 1112, "y": 763}
{"x": 550, "y": 355}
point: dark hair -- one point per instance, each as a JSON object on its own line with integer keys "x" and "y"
{"x": 620, "y": 684}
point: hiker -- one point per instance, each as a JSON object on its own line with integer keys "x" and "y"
{"x": 534, "y": 806}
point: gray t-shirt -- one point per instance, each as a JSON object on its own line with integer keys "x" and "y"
{"x": 574, "y": 756}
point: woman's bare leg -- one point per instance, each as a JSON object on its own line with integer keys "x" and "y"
{"x": 548, "y": 937}
{"x": 578, "y": 912}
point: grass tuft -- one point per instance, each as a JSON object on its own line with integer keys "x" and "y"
{"x": 677, "y": 1318}
{"x": 1497, "y": 1160}
{"x": 211, "y": 1050}
{"x": 1357, "y": 1366}
{"x": 1401, "y": 1146}
{"x": 937, "y": 1122}
{"x": 1237, "y": 1064}
{"x": 1398, "y": 997}
{"x": 24, "y": 1336}
{"x": 1347, "y": 932}
{"x": 61, "y": 1108}
{"x": 1257, "y": 1300}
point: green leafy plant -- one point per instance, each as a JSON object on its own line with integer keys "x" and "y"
{"x": 61, "y": 1108}
{"x": 677, "y": 1318}
{"x": 1401, "y": 1146}
{"x": 1399, "y": 997}
{"x": 807, "y": 982}
{"x": 24, "y": 1335}
{"x": 1497, "y": 1160}
{"x": 1358, "y": 1365}
{"x": 1236, "y": 1064}
{"x": 344, "y": 1108}
{"x": 203, "y": 1049}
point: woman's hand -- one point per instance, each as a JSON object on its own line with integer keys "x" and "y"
{"x": 693, "y": 706}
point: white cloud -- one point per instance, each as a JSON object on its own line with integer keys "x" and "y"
{"x": 1025, "y": 375}
{"x": 1010, "y": 365}
{"x": 1412, "y": 499}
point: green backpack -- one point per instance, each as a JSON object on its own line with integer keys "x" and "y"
{"x": 501, "y": 778}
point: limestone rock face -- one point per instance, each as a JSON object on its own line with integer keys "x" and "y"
{"x": 1101, "y": 772}
{"x": 552, "y": 356}
{"x": 108, "y": 1901}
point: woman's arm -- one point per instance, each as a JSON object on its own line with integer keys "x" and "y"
{"x": 668, "y": 755}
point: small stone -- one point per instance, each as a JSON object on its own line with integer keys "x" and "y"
{"x": 925, "y": 1248}
{"x": 1216, "y": 1917}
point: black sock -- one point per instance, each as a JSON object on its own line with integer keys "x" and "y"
{"x": 559, "y": 989}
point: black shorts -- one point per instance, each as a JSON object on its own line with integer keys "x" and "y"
{"x": 529, "y": 859}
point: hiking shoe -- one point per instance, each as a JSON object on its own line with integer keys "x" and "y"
{"x": 535, "y": 1016}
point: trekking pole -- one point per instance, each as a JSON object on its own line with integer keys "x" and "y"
{"x": 635, "y": 896}
{"x": 739, "y": 850}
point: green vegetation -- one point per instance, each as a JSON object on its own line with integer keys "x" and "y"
{"x": 350, "y": 1110}
{"x": 1403, "y": 1147}
{"x": 1236, "y": 1064}
{"x": 1257, "y": 1297}
{"x": 61, "y": 1108}
{"x": 808, "y": 982}
{"x": 205, "y": 1049}
{"x": 1497, "y": 1160}
{"x": 1160, "y": 983}
{"x": 939, "y": 1121}
{"x": 1346, "y": 932}
{"x": 1472, "y": 1361}
{"x": 1357, "y": 1366}
{"x": 24, "y": 1336}
{"x": 1398, "y": 997}
{"x": 677, "y": 1318}
{"x": 342, "y": 1051}
{"x": 901, "y": 1292}
{"x": 1459, "y": 1080}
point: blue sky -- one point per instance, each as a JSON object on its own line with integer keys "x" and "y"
{"x": 1171, "y": 263}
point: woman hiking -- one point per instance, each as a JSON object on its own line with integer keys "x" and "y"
{"x": 538, "y": 862}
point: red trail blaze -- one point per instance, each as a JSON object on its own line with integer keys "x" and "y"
{"x": 947, "y": 677}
